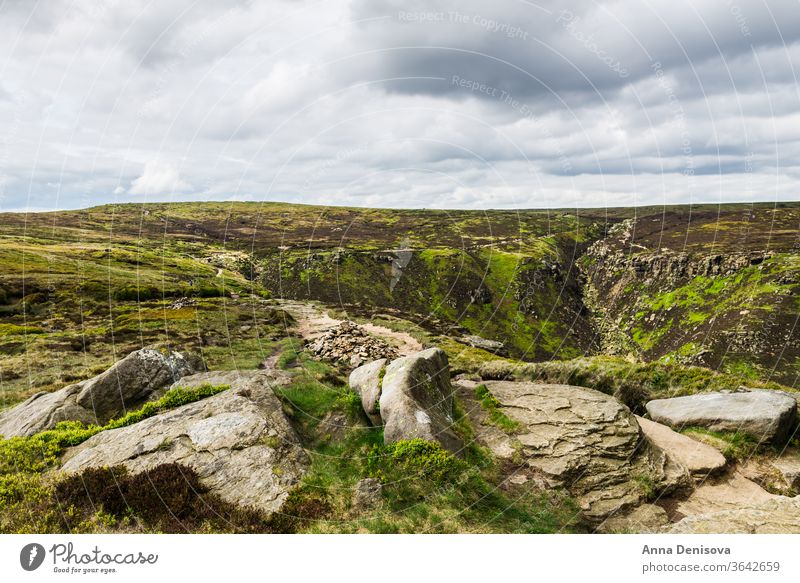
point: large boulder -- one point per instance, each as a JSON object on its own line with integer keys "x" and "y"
{"x": 417, "y": 399}
{"x": 126, "y": 385}
{"x": 767, "y": 416}
{"x": 578, "y": 439}
{"x": 366, "y": 381}
{"x": 698, "y": 459}
{"x": 239, "y": 442}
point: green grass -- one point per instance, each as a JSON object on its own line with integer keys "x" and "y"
{"x": 736, "y": 446}
{"x": 492, "y": 407}
{"x": 425, "y": 490}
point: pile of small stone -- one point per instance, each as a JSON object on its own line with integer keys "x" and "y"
{"x": 349, "y": 343}
{"x": 181, "y": 303}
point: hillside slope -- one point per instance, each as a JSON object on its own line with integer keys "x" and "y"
{"x": 708, "y": 285}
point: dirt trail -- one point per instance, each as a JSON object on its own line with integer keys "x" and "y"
{"x": 313, "y": 321}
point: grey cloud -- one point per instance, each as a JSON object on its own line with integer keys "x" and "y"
{"x": 295, "y": 100}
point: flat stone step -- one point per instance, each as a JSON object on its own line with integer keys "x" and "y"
{"x": 699, "y": 459}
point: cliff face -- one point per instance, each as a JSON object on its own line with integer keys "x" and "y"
{"x": 528, "y": 300}
{"x": 735, "y": 309}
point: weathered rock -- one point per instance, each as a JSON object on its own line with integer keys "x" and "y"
{"x": 366, "y": 381}
{"x": 724, "y": 493}
{"x": 789, "y": 468}
{"x": 501, "y": 444}
{"x": 126, "y": 385}
{"x": 779, "y": 515}
{"x": 239, "y": 442}
{"x": 699, "y": 459}
{"x": 765, "y": 415}
{"x": 334, "y": 425}
{"x": 367, "y": 494}
{"x": 642, "y": 519}
{"x": 417, "y": 399}
{"x": 780, "y": 475}
{"x": 579, "y": 439}
{"x": 484, "y": 344}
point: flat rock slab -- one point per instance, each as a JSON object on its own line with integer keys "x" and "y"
{"x": 239, "y": 442}
{"x": 778, "y": 515}
{"x": 643, "y": 519}
{"x": 699, "y": 459}
{"x": 766, "y": 415}
{"x": 126, "y": 385}
{"x": 576, "y": 438}
{"x": 729, "y": 493}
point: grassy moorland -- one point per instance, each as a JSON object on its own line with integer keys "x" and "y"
{"x": 638, "y": 303}
{"x": 79, "y": 288}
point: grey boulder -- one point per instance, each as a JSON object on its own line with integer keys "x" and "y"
{"x": 766, "y": 415}
{"x": 417, "y": 399}
{"x": 366, "y": 381}
{"x": 578, "y": 439}
{"x": 239, "y": 442}
{"x": 367, "y": 494}
{"x": 127, "y": 384}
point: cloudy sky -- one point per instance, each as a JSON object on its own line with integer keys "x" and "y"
{"x": 459, "y": 104}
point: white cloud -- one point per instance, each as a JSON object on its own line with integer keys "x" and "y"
{"x": 159, "y": 179}
{"x": 324, "y": 102}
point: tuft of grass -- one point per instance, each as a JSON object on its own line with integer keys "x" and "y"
{"x": 492, "y": 406}
{"x": 15, "y": 330}
{"x": 736, "y": 446}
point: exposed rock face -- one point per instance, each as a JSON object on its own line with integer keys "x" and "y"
{"x": 789, "y": 468}
{"x": 699, "y": 459}
{"x": 644, "y": 518}
{"x": 366, "y": 381}
{"x": 489, "y": 345}
{"x": 579, "y": 439}
{"x": 778, "y": 515}
{"x": 417, "y": 399}
{"x": 239, "y": 442}
{"x": 351, "y": 344}
{"x": 129, "y": 383}
{"x": 766, "y": 415}
{"x": 367, "y": 494}
{"x": 725, "y": 493}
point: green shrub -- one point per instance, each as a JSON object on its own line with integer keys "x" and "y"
{"x": 168, "y": 498}
{"x": 209, "y": 291}
{"x": 14, "y": 330}
{"x": 134, "y": 293}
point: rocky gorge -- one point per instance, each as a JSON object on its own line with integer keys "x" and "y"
{"x": 545, "y": 372}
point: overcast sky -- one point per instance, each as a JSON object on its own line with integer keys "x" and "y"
{"x": 460, "y": 104}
